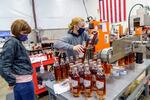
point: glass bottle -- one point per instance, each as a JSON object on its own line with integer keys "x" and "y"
{"x": 100, "y": 84}
{"x": 94, "y": 72}
{"x": 75, "y": 81}
{"x": 81, "y": 74}
{"x": 99, "y": 63}
{"x": 104, "y": 65}
{"x": 87, "y": 82}
{"x": 57, "y": 71}
{"x": 72, "y": 59}
{"x": 107, "y": 68}
{"x": 91, "y": 64}
{"x": 63, "y": 69}
{"x": 95, "y": 57}
{"x": 131, "y": 58}
{"x": 85, "y": 62}
{"x": 70, "y": 74}
{"x": 126, "y": 60}
{"x": 121, "y": 62}
{"x": 67, "y": 67}
{"x": 42, "y": 68}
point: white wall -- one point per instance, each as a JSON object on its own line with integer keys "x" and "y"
{"x": 53, "y": 14}
{"x": 11, "y": 10}
{"x": 93, "y": 8}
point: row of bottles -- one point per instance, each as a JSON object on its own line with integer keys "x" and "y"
{"x": 61, "y": 69}
{"x": 84, "y": 77}
{"x": 87, "y": 78}
{"x": 126, "y": 60}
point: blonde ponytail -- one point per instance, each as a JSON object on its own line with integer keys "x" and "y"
{"x": 75, "y": 21}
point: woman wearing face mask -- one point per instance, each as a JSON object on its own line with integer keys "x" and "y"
{"x": 73, "y": 42}
{"x": 15, "y": 65}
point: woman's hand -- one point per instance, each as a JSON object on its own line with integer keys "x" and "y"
{"x": 79, "y": 48}
{"x": 11, "y": 87}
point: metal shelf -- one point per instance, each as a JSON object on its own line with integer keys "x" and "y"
{"x": 140, "y": 88}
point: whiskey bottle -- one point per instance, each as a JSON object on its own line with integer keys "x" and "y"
{"x": 121, "y": 62}
{"x": 126, "y": 60}
{"x": 91, "y": 64}
{"x": 100, "y": 84}
{"x": 81, "y": 74}
{"x": 131, "y": 58}
{"x": 57, "y": 71}
{"x": 63, "y": 69}
{"x": 70, "y": 74}
{"x": 99, "y": 63}
{"x": 87, "y": 82}
{"x": 75, "y": 82}
{"x": 94, "y": 72}
{"x": 67, "y": 67}
{"x": 72, "y": 60}
{"x": 107, "y": 68}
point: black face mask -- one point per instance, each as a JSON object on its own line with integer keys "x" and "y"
{"x": 81, "y": 30}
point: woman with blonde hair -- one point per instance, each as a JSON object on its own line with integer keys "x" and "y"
{"x": 73, "y": 42}
{"x": 15, "y": 65}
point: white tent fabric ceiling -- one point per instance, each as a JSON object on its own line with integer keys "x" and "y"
{"x": 50, "y": 14}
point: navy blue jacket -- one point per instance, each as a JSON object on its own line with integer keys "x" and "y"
{"x": 14, "y": 59}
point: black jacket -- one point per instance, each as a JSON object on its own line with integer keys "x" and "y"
{"x": 14, "y": 59}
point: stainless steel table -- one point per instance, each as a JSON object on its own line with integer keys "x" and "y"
{"x": 115, "y": 88}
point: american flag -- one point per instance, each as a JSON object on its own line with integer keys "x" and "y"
{"x": 112, "y": 10}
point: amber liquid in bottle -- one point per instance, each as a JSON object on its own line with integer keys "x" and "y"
{"x": 67, "y": 67}
{"x": 108, "y": 69}
{"x": 87, "y": 82}
{"x": 81, "y": 74}
{"x": 57, "y": 71}
{"x": 70, "y": 74}
{"x": 94, "y": 72}
{"x": 126, "y": 60}
{"x": 63, "y": 69}
{"x": 75, "y": 82}
{"x": 121, "y": 62}
{"x": 131, "y": 58}
{"x": 104, "y": 66}
{"x": 100, "y": 84}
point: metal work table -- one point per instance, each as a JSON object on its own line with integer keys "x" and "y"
{"x": 115, "y": 88}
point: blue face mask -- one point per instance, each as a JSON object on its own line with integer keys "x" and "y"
{"x": 23, "y": 37}
{"x": 81, "y": 30}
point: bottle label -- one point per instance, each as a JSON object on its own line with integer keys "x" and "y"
{"x": 74, "y": 83}
{"x": 87, "y": 83}
{"x": 93, "y": 78}
{"x": 81, "y": 80}
{"x": 99, "y": 84}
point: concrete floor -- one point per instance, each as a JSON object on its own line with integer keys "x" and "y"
{"x": 4, "y": 91}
